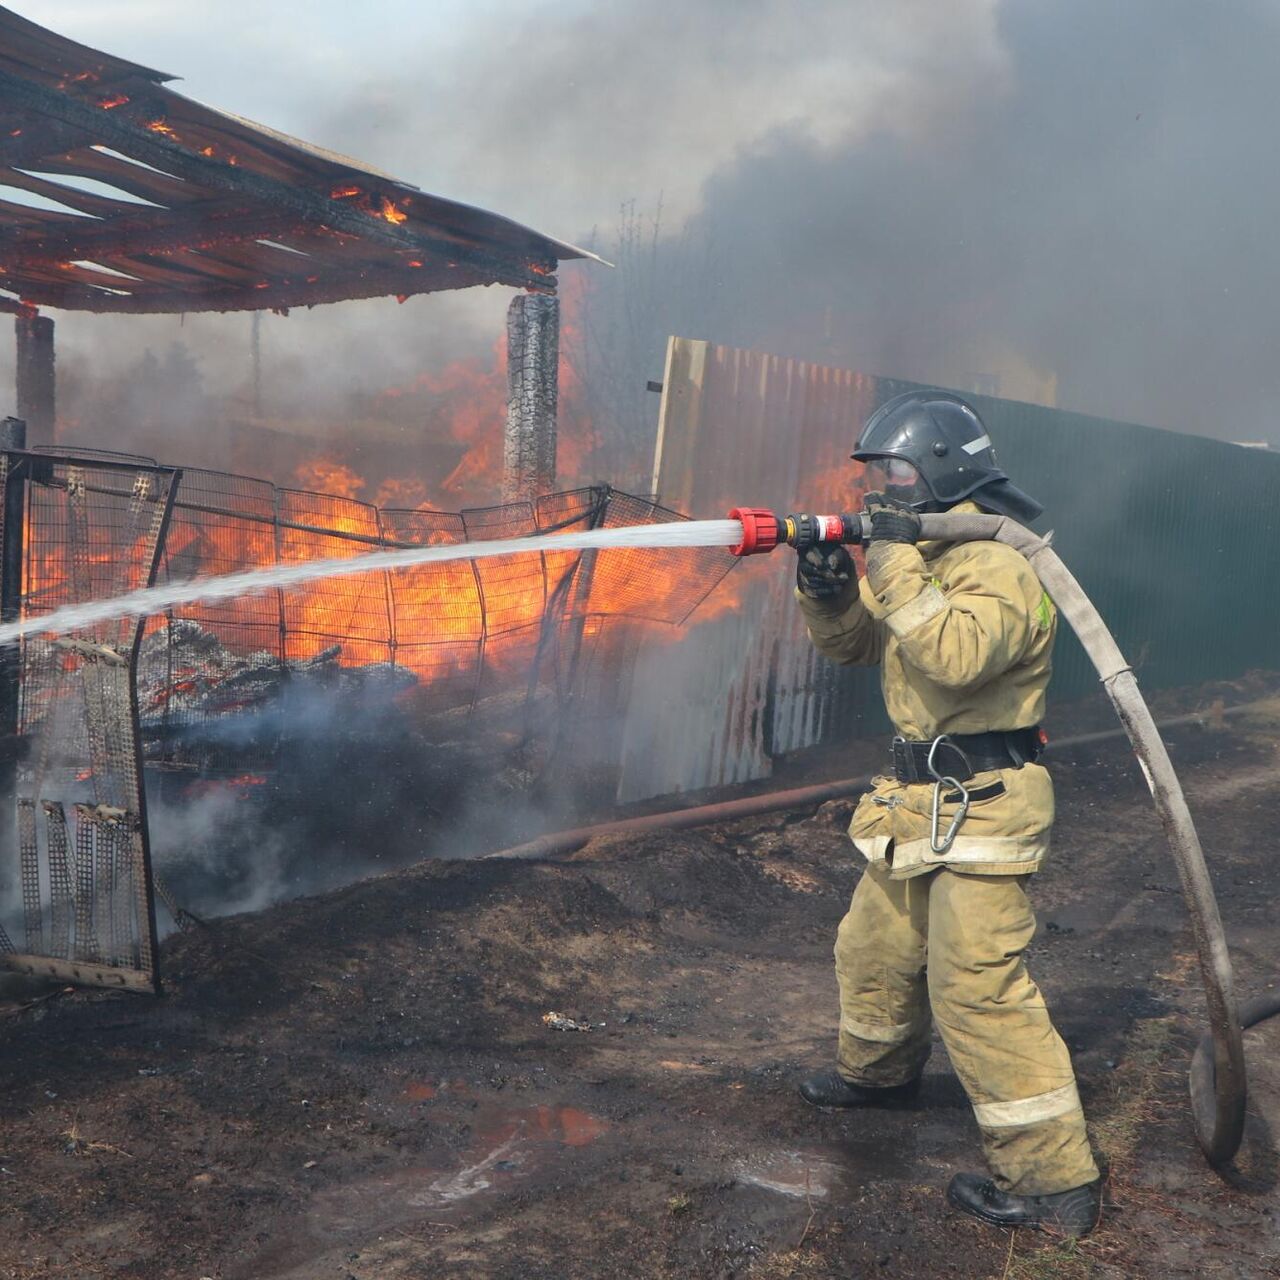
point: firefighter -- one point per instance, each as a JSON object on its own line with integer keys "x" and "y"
{"x": 963, "y": 634}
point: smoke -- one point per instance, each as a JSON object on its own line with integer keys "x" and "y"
{"x": 1096, "y": 216}
{"x": 1054, "y": 199}
{"x": 355, "y": 782}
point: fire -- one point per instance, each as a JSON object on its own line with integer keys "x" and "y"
{"x": 328, "y": 475}
{"x": 385, "y": 208}
{"x": 393, "y": 214}
{"x": 112, "y": 101}
{"x": 440, "y": 622}
{"x": 161, "y": 127}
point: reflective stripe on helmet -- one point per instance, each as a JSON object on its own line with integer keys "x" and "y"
{"x": 977, "y": 446}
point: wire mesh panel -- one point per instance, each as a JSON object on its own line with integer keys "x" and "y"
{"x": 80, "y": 851}
{"x": 658, "y": 585}
{"x": 492, "y": 644}
{"x": 347, "y": 617}
{"x": 437, "y": 611}
{"x": 513, "y": 593}
{"x": 201, "y": 663}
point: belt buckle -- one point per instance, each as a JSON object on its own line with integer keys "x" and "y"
{"x": 904, "y": 761}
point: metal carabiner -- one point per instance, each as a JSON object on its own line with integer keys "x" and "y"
{"x": 944, "y": 780}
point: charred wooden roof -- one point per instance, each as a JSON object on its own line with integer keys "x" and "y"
{"x": 236, "y": 216}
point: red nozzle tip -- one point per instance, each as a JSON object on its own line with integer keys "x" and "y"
{"x": 760, "y": 531}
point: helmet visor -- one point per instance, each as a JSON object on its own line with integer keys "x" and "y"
{"x": 895, "y": 476}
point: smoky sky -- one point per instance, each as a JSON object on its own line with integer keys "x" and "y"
{"x": 1107, "y": 213}
{"x": 1073, "y": 197}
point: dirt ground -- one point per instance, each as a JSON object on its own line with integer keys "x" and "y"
{"x": 363, "y": 1086}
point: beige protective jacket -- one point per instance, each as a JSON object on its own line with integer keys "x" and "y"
{"x": 963, "y": 634}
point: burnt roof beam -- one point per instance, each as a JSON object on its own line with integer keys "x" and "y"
{"x": 278, "y": 296}
{"x": 118, "y": 130}
{"x": 36, "y": 140}
{"x": 152, "y": 231}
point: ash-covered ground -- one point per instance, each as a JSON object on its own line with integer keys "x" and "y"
{"x": 364, "y": 1085}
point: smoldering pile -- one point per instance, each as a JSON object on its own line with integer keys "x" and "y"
{"x": 185, "y": 672}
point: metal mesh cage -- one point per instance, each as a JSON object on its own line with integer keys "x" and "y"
{"x": 80, "y": 528}
{"x": 489, "y": 637}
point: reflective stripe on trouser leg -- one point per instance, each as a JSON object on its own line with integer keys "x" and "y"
{"x": 993, "y": 1020}
{"x": 880, "y": 958}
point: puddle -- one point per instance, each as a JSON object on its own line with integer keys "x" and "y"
{"x": 799, "y": 1174}
{"x": 509, "y": 1144}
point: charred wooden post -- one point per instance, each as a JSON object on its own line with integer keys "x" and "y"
{"x": 13, "y": 436}
{"x": 533, "y": 358}
{"x": 35, "y": 374}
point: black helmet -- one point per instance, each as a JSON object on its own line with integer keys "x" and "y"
{"x": 946, "y": 443}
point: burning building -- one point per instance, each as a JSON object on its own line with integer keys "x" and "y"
{"x": 215, "y": 213}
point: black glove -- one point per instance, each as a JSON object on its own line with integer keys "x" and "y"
{"x": 825, "y": 571}
{"x": 892, "y": 520}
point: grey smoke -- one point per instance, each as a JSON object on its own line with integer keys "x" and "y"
{"x": 1017, "y": 189}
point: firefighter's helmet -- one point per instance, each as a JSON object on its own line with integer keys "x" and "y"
{"x": 932, "y": 450}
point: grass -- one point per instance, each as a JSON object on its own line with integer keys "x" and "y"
{"x": 1117, "y": 1125}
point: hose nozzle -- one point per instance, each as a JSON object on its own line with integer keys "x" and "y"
{"x": 762, "y": 530}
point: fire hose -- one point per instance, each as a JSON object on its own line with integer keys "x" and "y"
{"x": 1218, "y": 1082}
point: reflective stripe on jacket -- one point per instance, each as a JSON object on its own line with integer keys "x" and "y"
{"x": 963, "y": 634}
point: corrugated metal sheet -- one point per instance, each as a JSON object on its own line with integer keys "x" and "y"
{"x": 1173, "y": 536}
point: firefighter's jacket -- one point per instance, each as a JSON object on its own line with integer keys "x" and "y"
{"x": 963, "y": 634}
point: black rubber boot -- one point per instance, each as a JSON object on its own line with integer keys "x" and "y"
{"x": 831, "y": 1089}
{"x": 1073, "y": 1213}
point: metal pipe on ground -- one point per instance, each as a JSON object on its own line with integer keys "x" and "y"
{"x": 558, "y": 843}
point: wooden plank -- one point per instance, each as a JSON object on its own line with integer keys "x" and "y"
{"x": 302, "y": 293}
{"x": 160, "y": 188}
{"x": 80, "y": 973}
{"x": 151, "y": 231}
{"x": 121, "y": 132}
{"x": 235, "y": 146}
{"x": 164, "y": 271}
{"x": 46, "y": 277}
{"x": 679, "y": 416}
{"x": 24, "y": 215}
{"x": 61, "y": 58}
{"x": 84, "y": 201}
{"x": 259, "y": 259}
{"x": 37, "y": 138}
{"x": 184, "y": 264}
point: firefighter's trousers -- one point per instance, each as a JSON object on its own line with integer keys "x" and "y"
{"x": 955, "y": 942}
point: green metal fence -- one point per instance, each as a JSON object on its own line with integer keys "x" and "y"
{"x": 1174, "y": 537}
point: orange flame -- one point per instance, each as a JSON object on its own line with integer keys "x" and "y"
{"x": 328, "y": 475}
{"x": 392, "y": 214}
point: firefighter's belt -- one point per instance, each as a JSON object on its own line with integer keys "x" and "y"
{"x": 962, "y": 755}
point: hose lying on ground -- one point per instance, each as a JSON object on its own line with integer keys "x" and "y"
{"x": 1217, "y": 1079}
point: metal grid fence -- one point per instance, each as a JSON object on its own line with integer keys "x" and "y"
{"x": 495, "y": 635}
{"x": 533, "y": 642}
{"x": 82, "y": 529}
